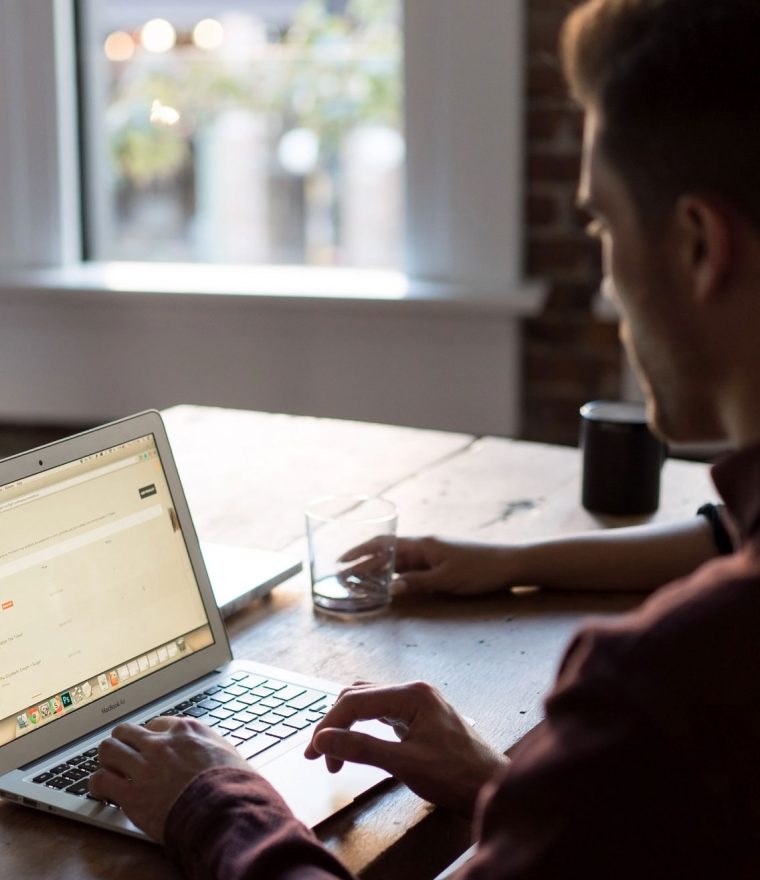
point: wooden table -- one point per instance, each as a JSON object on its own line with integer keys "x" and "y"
{"x": 247, "y": 477}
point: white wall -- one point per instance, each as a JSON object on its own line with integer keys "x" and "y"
{"x": 89, "y": 357}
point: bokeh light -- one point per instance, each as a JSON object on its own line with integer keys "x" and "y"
{"x": 157, "y": 35}
{"x": 119, "y": 46}
{"x": 298, "y": 151}
{"x": 163, "y": 114}
{"x": 208, "y": 34}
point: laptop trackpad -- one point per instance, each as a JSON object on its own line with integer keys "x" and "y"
{"x": 311, "y": 791}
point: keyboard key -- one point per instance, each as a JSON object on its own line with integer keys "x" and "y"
{"x": 284, "y": 711}
{"x": 90, "y": 766}
{"x": 262, "y": 691}
{"x": 79, "y": 788}
{"x": 251, "y": 681}
{"x": 248, "y": 699}
{"x": 271, "y": 702}
{"x": 58, "y": 782}
{"x": 198, "y": 698}
{"x": 228, "y": 682}
{"x": 271, "y": 718}
{"x": 221, "y": 713}
{"x": 43, "y": 777}
{"x": 245, "y": 717}
{"x": 258, "y": 709}
{"x": 282, "y": 731}
{"x": 75, "y": 774}
{"x": 230, "y": 724}
{"x": 235, "y": 706}
{"x": 312, "y": 717}
{"x": 244, "y": 734}
{"x": 195, "y": 712}
{"x": 290, "y": 691}
{"x": 274, "y": 684}
{"x": 224, "y": 697}
{"x": 185, "y": 704}
{"x": 236, "y": 690}
{"x": 214, "y": 689}
{"x": 297, "y": 721}
{"x": 76, "y": 760}
{"x": 59, "y": 768}
{"x": 306, "y": 699}
{"x": 91, "y": 753}
{"x": 258, "y": 726}
{"x": 239, "y": 676}
{"x": 209, "y": 704}
{"x": 257, "y": 744}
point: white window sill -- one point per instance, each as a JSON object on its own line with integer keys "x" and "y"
{"x": 270, "y": 285}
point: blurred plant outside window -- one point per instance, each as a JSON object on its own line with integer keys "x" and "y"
{"x": 262, "y": 131}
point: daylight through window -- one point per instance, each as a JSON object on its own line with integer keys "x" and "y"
{"x": 265, "y": 131}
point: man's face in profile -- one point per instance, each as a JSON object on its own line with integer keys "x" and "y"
{"x": 642, "y": 278}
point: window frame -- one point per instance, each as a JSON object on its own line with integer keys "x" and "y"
{"x": 464, "y": 193}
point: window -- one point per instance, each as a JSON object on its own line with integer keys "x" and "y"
{"x": 434, "y": 342}
{"x": 265, "y": 132}
{"x": 462, "y": 148}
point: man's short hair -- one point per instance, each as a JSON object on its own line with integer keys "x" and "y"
{"x": 676, "y": 86}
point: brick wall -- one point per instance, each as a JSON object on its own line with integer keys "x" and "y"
{"x": 569, "y": 356}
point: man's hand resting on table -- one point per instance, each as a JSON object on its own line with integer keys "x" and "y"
{"x": 432, "y": 565}
{"x": 145, "y": 770}
{"x": 439, "y": 755}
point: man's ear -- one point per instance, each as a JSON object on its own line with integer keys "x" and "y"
{"x": 705, "y": 236}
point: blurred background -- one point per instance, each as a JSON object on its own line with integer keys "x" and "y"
{"x": 399, "y": 139}
{"x": 263, "y": 133}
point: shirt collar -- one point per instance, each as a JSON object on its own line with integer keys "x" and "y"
{"x": 737, "y": 478}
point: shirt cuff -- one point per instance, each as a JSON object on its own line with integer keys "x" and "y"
{"x": 231, "y": 823}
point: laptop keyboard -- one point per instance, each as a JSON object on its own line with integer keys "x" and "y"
{"x": 252, "y": 712}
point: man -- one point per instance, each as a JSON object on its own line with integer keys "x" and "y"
{"x": 647, "y": 763}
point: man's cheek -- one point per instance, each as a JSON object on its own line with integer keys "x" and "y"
{"x": 626, "y": 337}
{"x": 609, "y": 292}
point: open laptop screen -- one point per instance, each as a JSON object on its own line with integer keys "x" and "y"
{"x": 96, "y": 586}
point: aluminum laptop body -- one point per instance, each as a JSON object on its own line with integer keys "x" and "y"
{"x": 107, "y": 614}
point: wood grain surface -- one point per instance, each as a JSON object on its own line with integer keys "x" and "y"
{"x": 247, "y": 477}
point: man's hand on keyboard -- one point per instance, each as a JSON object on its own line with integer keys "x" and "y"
{"x": 439, "y": 756}
{"x": 145, "y": 769}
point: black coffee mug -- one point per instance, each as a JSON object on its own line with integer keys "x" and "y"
{"x": 622, "y": 459}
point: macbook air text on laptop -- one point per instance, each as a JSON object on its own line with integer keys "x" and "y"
{"x": 107, "y": 614}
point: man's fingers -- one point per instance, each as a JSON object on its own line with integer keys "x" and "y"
{"x": 421, "y": 581}
{"x": 364, "y": 704}
{"x": 119, "y": 757}
{"x": 333, "y": 764}
{"x": 366, "y": 566}
{"x": 162, "y": 723}
{"x": 358, "y": 748}
{"x": 131, "y": 734}
{"x": 108, "y": 786}
{"x": 328, "y": 721}
{"x": 373, "y": 547}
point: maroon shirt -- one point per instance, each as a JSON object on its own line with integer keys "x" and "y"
{"x": 646, "y": 766}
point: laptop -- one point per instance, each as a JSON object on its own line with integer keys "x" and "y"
{"x": 239, "y": 575}
{"x": 107, "y": 614}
